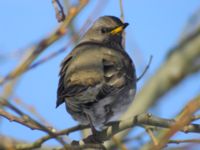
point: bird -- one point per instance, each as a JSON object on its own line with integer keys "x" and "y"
{"x": 97, "y": 79}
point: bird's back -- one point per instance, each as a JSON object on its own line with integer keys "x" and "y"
{"x": 85, "y": 67}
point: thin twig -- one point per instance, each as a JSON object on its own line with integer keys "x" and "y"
{"x": 182, "y": 121}
{"x": 122, "y": 19}
{"x": 44, "y": 43}
{"x": 22, "y": 121}
{"x": 38, "y": 143}
{"x": 74, "y": 38}
{"x": 184, "y": 141}
{"x": 121, "y": 10}
{"x": 60, "y": 15}
{"x": 29, "y": 119}
{"x": 146, "y": 69}
{"x": 195, "y": 117}
{"x": 150, "y": 133}
{"x": 50, "y": 56}
{"x": 32, "y": 110}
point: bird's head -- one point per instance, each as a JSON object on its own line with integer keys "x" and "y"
{"x": 106, "y": 30}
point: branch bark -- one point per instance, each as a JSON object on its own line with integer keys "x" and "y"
{"x": 182, "y": 120}
{"x": 114, "y": 128}
{"x": 44, "y": 43}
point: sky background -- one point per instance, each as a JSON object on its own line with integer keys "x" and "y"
{"x": 155, "y": 27}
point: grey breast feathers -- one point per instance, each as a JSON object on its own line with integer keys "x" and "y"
{"x": 93, "y": 71}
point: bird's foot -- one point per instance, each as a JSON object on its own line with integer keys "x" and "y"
{"x": 94, "y": 139}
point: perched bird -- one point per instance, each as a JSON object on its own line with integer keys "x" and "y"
{"x": 97, "y": 79}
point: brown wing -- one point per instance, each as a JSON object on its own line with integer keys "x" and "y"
{"x": 61, "y": 88}
{"x": 116, "y": 70}
{"x": 79, "y": 71}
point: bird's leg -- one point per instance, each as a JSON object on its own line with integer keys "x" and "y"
{"x": 94, "y": 138}
{"x": 94, "y": 131}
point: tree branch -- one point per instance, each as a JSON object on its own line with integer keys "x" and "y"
{"x": 60, "y": 15}
{"x": 116, "y": 127}
{"x": 185, "y": 117}
{"x": 44, "y": 43}
{"x": 38, "y": 143}
{"x": 27, "y": 118}
{"x": 184, "y": 141}
{"x": 21, "y": 121}
{"x": 106, "y": 134}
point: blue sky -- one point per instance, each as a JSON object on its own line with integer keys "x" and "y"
{"x": 155, "y": 27}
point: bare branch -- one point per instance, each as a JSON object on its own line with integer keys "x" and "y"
{"x": 181, "y": 122}
{"x": 60, "y": 15}
{"x": 195, "y": 117}
{"x": 153, "y": 138}
{"x": 75, "y": 37}
{"x": 121, "y": 10}
{"x": 32, "y": 110}
{"x": 112, "y": 129}
{"x": 140, "y": 120}
{"x": 24, "y": 122}
{"x": 40, "y": 141}
{"x": 184, "y": 141}
{"x": 44, "y": 43}
{"x": 28, "y": 119}
{"x": 146, "y": 69}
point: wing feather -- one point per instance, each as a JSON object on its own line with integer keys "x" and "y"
{"x": 116, "y": 69}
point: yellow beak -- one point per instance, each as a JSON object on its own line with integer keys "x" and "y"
{"x": 119, "y": 29}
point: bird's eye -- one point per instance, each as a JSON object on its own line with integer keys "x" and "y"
{"x": 104, "y": 30}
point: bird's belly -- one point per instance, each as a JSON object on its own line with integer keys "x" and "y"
{"x": 123, "y": 103}
{"x": 107, "y": 109}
